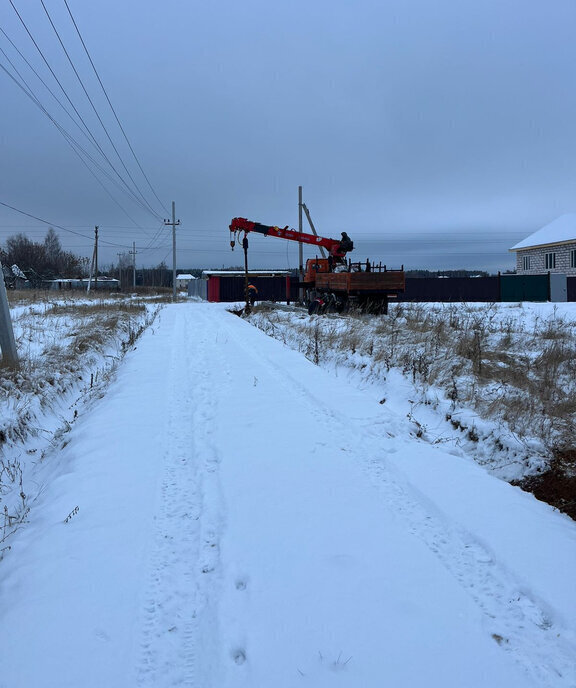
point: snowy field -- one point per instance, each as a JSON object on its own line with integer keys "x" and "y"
{"x": 228, "y": 514}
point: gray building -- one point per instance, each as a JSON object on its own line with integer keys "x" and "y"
{"x": 550, "y": 249}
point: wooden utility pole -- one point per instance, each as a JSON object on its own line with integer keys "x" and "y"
{"x": 7, "y": 341}
{"x": 174, "y": 224}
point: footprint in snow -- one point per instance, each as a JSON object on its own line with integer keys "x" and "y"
{"x": 239, "y": 656}
{"x": 241, "y": 584}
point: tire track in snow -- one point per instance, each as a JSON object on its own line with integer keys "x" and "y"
{"x": 514, "y": 618}
{"x": 183, "y": 569}
{"x": 208, "y": 572}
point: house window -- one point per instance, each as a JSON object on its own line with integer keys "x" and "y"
{"x": 550, "y": 261}
{"x": 573, "y": 258}
{"x": 526, "y": 263}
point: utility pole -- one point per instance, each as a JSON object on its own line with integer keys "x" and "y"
{"x": 300, "y": 248}
{"x": 120, "y": 268}
{"x": 322, "y": 251}
{"x": 248, "y": 306}
{"x": 174, "y": 224}
{"x": 133, "y": 254}
{"x": 94, "y": 265}
{"x": 91, "y": 273}
{"x": 96, "y": 258}
{"x": 7, "y": 342}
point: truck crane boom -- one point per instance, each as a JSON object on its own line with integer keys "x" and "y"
{"x": 330, "y": 283}
{"x": 337, "y": 249}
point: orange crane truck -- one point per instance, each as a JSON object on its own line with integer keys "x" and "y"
{"x": 333, "y": 284}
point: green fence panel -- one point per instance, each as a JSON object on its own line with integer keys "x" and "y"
{"x": 524, "y": 287}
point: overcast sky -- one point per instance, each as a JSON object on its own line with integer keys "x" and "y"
{"x": 437, "y": 134}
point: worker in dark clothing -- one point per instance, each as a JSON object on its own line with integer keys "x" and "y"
{"x": 252, "y": 293}
{"x": 346, "y": 243}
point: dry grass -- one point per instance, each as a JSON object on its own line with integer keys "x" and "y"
{"x": 46, "y": 297}
{"x": 68, "y": 350}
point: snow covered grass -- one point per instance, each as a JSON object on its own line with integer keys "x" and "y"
{"x": 68, "y": 348}
{"x": 501, "y": 377}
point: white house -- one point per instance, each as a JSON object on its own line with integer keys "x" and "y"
{"x": 182, "y": 280}
{"x": 550, "y": 249}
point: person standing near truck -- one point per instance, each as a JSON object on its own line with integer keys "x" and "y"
{"x": 252, "y": 293}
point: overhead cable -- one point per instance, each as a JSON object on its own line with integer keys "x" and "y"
{"x": 64, "y": 229}
{"x": 96, "y": 111}
{"x": 112, "y": 107}
{"x": 89, "y": 132}
{"x": 76, "y": 147}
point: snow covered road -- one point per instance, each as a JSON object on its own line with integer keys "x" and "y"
{"x": 245, "y": 519}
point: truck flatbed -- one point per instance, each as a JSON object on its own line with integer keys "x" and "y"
{"x": 358, "y": 283}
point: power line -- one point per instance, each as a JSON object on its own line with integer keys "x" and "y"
{"x": 59, "y": 84}
{"x": 66, "y": 135}
{"x": 111, "y": 106}
{"x": 94, "y": 108}
{"x": 89, "y": 132}
{"x": 39, "y": 77}
{"x": 155, "y": 238}
{"x": 64, "y": 229}
{"x": 77, "y": 147}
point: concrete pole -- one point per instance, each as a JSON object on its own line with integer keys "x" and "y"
{"x": 173, "y": 251}
{"x": 91, "y": 272}
{"x": 120, "y": 268}
{"x": 322, "y": 251}
{"x": 248, "y": 307}
{"x": 96, "y": 258}
{"x": 133, "y": 264}
{"x": 7, "y": 341}
{"x": 300, "y": 247}
{"x": 174, "y": 223}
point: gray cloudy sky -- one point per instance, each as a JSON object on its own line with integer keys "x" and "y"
{"x": 437, "y": 134}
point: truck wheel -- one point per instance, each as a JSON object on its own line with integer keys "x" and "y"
{"x": 384, "y": 308}
{"x": 315, "y": 307}
{"x": 341, "y": 305}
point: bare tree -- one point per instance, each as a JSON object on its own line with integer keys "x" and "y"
{"x": 40, "y": 261}
{"x": 52, "y": 247}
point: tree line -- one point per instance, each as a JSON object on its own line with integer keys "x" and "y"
{"x": 42, "y": 260}
{"x": 447, "y": 273}
{"x": 37, "y": 261}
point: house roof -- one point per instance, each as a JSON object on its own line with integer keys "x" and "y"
{"x": 185, "y": 276}
{"x": 562, "y": 229}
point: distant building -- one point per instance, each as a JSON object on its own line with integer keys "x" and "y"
{"x": 550, "y": 249}
{"x": 66, "y": 284}
{"x": 229, "y": 285}
{"x": 183, "y": 280}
